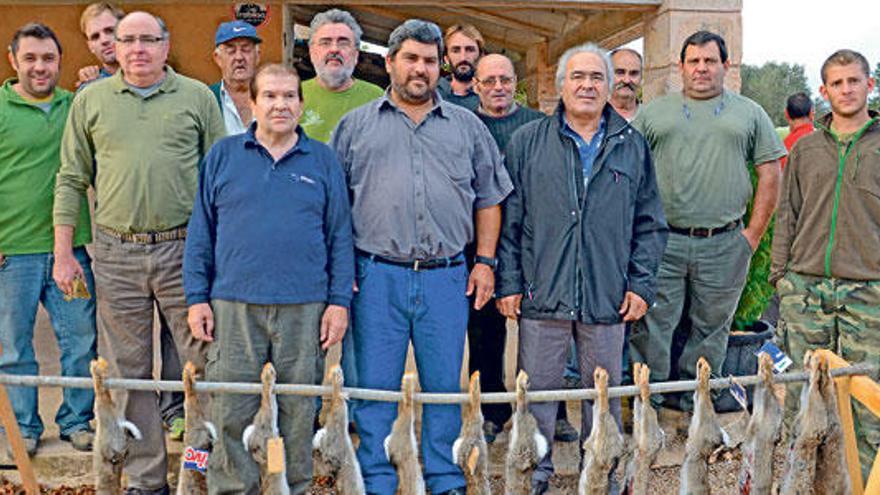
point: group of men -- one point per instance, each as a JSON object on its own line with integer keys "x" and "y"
{"x": 336, "y": 211}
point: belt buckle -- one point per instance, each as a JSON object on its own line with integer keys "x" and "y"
{"x": 416, "y": 265}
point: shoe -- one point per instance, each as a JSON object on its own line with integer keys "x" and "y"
{"x": 454, "y": 491}
{"x": 490, "y": 431}
{"x": 80, "y": 440}
{"x": 539, "y": 487}
{"x": 176, "y": 429}
{"x": 143, "y": 491}
{"x": 565, "y": 432}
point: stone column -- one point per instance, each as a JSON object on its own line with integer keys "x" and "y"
{"x": 674, "y": 21}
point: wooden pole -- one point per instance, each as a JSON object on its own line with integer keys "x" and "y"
{"x": 19, "y": 453}
{"x": 851, "y": 449}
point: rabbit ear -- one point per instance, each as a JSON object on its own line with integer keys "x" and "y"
{"x": 131, "y": 428}
{"x": 212, "y": 430}
{"x": 246, "y": 436}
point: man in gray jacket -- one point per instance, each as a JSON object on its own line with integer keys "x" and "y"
{"x": 582, "y": 237}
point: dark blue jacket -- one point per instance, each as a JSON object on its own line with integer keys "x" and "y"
{"x": 267, "y": 232}
{"x": 574, "y": 253}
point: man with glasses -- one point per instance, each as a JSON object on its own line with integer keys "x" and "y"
{"x": 405, "y": 154}
{"x": 582, "y": 237}
{"x": 146, "y": 129}
{"x": 487, "y": 331}
{"x": 237, "y": 54}
{"x": 334, "y": 41}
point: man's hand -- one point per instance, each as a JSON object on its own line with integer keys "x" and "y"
{"x": 483, "y": 281}
{"x": 753, "y": 238}
{"x": 633, "y": 307}
{"x": 87, "y": 74}
{"x": 509, "y": 305}
{"x": 65, "y": 270}
{"x": 333, "y": 325}
{"x": 201, "y": 321}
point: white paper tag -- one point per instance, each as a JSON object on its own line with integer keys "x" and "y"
{"x": 781, "y": 362}
{"x": 739, "y": 393}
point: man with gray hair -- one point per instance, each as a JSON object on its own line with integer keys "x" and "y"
{"x": 421, "y": 173}
{"x": 334, "y": 42}
{"x": 584, "y": 275}
{"x": 146, "y": 128}
{"x": 237, "y": 55}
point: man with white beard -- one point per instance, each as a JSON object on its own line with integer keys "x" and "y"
{"x": 334, "y": 46}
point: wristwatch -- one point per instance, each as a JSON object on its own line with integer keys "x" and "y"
{"x": 490, "y": 262}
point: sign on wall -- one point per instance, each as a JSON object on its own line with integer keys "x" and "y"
{"x": 255, "y": 14}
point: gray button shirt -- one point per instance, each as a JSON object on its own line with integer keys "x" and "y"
{"x": 413, "y": 187}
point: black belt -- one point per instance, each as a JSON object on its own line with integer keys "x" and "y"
{"x": 178, "y": 233}
{"x": 416, "y": 265}
{"x": 705, "y": 231}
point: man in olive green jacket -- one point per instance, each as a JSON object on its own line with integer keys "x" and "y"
{"x": 826, "y": 261}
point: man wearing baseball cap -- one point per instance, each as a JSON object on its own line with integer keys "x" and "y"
{"x": 237, "y": 54}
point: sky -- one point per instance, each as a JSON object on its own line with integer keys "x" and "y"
{"x": 808, "y": 31}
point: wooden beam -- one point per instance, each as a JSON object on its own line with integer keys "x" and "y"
{"x": 502, "y": 21}
{"x": 643, "y": 5}
{"x": 19, "y": 453}
{"x": 596, "y": 28}
{"x": 850, "y": 447}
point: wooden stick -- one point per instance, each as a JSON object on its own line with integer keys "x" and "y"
{"x": 19, "y": 453}
{"x": 851, "y": 449}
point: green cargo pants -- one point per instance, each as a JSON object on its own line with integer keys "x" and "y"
{"x": 246, "y": 336}
{"x": 842, "y": 316}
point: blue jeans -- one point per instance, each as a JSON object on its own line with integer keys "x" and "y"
{"x": 26, "y": 281}
{"x": 395, "y": 305}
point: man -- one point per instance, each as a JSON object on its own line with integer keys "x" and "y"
{"x": 799, "y": 114}
{"x": 97, "y": 23}
{"x": 32, "y": 115}
{"x": 289, "y": 296}
{"x": 146, "y": 129}
{"x": 464, "y": 46}
{"x": 583, "y": 275}
{"x": 825, "y": 262}
{"x": 404, "y": 155}
{"x": 334, "y": 41}
{"x": 702, "y": 140}
{"x": 487, "y": 330}
{"x": 237, "y": 54}
{"x": 627, "y": 82}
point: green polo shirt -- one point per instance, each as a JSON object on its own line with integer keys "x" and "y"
{"x": 29, "y": 142}
{"x": 701, "y": 150}
{"x": 322, "y": 109}
{"x": 144, "y": 152}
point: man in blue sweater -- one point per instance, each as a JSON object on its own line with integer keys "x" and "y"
{"x": 268, "y": 273}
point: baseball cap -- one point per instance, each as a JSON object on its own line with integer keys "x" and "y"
{"x": 235, "y": 29}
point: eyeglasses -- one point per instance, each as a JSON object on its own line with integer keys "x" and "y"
{"x": 145, "y": 39}
{"x": 341, "y": 43}
{"x": 491, "y": 81}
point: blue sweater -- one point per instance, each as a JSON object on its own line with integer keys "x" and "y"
{"x": 267, "y": 232}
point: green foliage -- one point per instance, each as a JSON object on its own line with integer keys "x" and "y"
{"x": 771, "y": 84}
{"x": 757, "y": 292}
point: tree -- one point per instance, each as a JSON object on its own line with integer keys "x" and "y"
{"x": 771, "y": 84}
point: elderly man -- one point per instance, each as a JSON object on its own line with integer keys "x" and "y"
{"x": 583, "y": 275}
{"x": 289, "y": 296}
{"x": 404, "y": 155}
{"x": 627, "y": 82}
{"x": 334, "y": 41}
{"x": 495, "y": 84}
{"x": 146, "y": 129}
{"x": 702, "y": 140}
{"x": 97, "y": 23}
{"x": 33, "y": 111}
{"x": 464, "y": 46}
{"x": 825, "y": 262}
{"x": 237, "y": 54}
